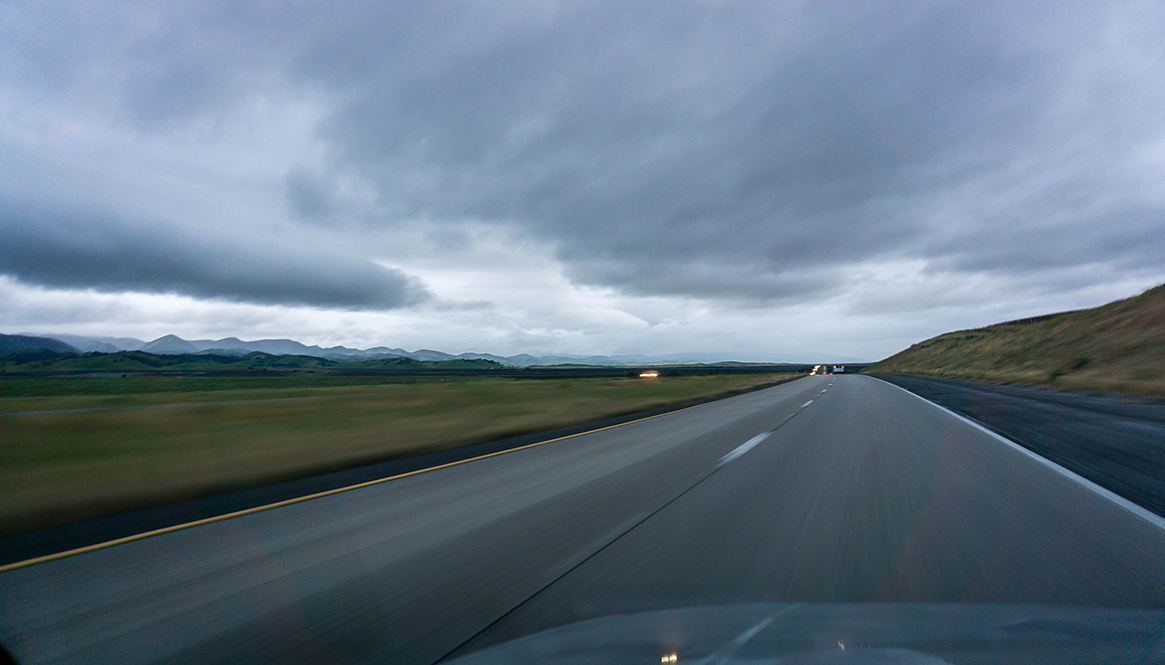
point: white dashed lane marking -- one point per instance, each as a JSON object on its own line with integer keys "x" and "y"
{"x": 742, "y": 449}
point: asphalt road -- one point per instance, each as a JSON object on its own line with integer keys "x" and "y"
{"x": 847, "y": 489}
{"x": 1116, "y": 441}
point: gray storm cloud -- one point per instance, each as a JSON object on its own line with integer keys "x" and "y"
{"x": 651, "y": 143}
{"x": 67, "y": 249}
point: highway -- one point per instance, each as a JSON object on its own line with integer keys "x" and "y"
{"x": 1113, "y": 440}
{"x": 826, "y": 489}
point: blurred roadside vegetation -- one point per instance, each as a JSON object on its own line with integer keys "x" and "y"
{"x": 1118, "y": 347}
{"x": 78, "y": 447}
{"x": 51, "y": 361}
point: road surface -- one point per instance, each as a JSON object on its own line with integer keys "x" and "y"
{"x": 1116, "y": 441}
{"x": 827, "y": 489}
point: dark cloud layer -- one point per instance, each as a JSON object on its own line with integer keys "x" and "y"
{"x": 67, "y": 249}
{"x": 310, "y": 195}
{"x": 652, "y": 141}
{"x": 738, "y": 150}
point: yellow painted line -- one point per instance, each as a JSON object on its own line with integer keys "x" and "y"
{"x": 339, "y": 490}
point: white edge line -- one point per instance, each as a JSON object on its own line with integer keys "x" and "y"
{"x": 806, "y": 404}
{"x": 1145, "y": 514}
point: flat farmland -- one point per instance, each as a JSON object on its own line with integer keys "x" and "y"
{"x": 77, "y": 448}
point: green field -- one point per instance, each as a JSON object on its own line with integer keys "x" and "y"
{"x": 72, "y": 448}
{"x": 45, "y": 361}
{"x": 1118, "y": 347}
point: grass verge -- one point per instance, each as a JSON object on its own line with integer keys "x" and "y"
{"x": 72, "y": 454}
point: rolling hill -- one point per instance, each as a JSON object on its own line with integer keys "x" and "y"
{"x": 10, "y": 344}
{"x": 48, "y": 361}
{"x": 233, "y": 346}
{"x": 1118, "y": 347}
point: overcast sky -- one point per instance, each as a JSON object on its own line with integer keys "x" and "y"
{"x": 764, "y": 180}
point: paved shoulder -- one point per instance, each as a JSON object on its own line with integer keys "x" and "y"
{"x": 1116, "y": 442}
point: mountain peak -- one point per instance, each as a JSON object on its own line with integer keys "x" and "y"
{"x": 169, "y": 344}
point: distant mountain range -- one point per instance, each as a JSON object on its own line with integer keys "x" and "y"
{"x": 233, "y": 346}
{"x": 10, "y": 344}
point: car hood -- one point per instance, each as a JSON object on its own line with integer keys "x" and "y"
{"x": 847, "y": 633}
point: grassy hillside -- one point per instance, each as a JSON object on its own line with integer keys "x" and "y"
{"x": 23, "y": 343}
{"x": 409, "y": 363}
{"x": 1118, "y": 347}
